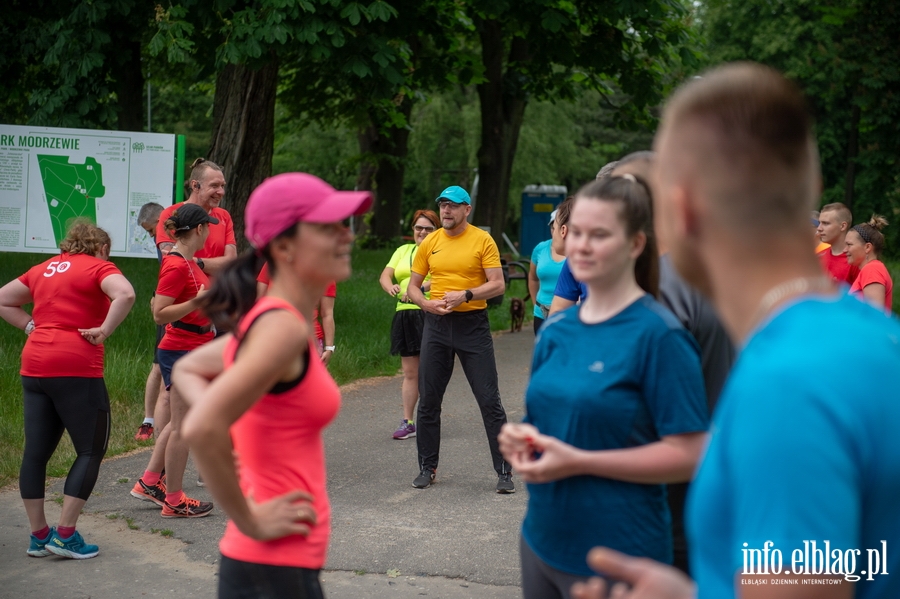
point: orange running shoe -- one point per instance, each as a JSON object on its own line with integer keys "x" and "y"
{"x": 155, "y": 493}
{"x": 188, "y": 508}
{"x": 145, "y": 432}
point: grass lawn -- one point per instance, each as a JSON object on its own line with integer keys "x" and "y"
{"x": 363, "y": 315}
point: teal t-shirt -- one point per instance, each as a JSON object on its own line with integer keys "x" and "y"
{"x": 547, "y": 270}
{"x": 621, "y": 383}
{"x": 805, "y": 446}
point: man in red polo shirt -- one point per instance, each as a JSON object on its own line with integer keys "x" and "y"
{"x": 207, "y": 188}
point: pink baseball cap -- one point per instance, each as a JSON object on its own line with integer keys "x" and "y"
{"x": 289, "y": 198}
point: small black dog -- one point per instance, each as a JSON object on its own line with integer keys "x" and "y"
{"x": 516, "y": 314}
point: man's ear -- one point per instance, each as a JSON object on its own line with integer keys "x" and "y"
{"x": 684, "y": 212}
{"x": 845, "y": 226}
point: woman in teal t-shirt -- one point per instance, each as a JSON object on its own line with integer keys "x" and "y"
{"x": 547, "y": 260}
{"x": 615, "y": 407}
{"x": 406, "y": 328}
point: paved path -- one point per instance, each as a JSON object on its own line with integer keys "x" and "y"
{"x": 455, "y": 540}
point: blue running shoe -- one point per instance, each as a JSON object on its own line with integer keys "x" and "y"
{"x": 74, "y": 547}
{"x": 38, "y": 547}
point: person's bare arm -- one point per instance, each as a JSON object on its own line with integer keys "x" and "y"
{"x": 213, "y": 266}
{"x": 386, "y": 280}
{"x": 494, "y": 286}
{"x": 13, "y": 296}
{"x": 540, "y": 458}
{"x": 415, "y": 295}
{"x": 165, "y": 310}
{"x": 326, "y": 313}
{"x": 560, "y": 303}
{"x": 165, "y": 247}
{"x": 121, "y": 295}
{"x": 874, "y": 293}
{"x": 272, "y": 351}
{"x": 534, "y": 284}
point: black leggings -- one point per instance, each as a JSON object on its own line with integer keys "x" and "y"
{"x": 53, "y": 404}
{"x": 245, "y": 580}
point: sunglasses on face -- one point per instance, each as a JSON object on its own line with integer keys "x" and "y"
{"x": 449, "y": 204}
{"x": 420, "y": 228}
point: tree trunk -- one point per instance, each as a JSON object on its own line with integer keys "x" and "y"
{"x": 503, "y": 105}
{"x": 382, "y": 171}
{"x": 852, "y": 153}
{"x": 243, "y": 134}
{"x": 129, "y": 77}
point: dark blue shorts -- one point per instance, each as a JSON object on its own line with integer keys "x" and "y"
{"x": 167, "y": 359}
{"x": 160, "y": 332}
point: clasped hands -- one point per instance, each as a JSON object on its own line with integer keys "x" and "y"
{"x": 538, "y": 458}
{"x": 446, "y": 304}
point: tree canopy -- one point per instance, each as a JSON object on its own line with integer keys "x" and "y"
{"x": 844, "y": 53}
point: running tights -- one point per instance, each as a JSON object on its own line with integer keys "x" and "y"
{"x": 54, "y": 404}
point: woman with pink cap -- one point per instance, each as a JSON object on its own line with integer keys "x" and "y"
{"x": 258, "y": 396}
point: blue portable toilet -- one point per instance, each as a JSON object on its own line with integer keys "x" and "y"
{"x": 538, "y": 201}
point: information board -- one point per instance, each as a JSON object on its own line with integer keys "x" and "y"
{"x": 49, "y": 176}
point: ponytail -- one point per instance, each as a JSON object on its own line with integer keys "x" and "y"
{"x": 234, "y": 291}
{"x": 636, "y": 200}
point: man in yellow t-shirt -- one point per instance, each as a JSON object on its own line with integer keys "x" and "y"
{"x": 464, "y": 264}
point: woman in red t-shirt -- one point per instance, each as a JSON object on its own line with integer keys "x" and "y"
{"x": 181, "y": 285}
{"x": 864, "y": 245}
{"x": 260, "y": 398}
{"x": 79, "y": 299}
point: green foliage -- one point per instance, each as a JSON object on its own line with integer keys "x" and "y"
{"x": 65, "y": 59}
{"x": 330, "y": 153}
{"x": 844, "y": 54}
{"x": 562, "y": 143}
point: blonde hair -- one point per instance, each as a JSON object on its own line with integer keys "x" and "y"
{"x": 84, "y": 237}
{"x": 840, "y": 210}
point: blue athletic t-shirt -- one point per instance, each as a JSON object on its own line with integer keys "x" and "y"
{"x": 624, "y": 382}
{"x": 801, "y": 451}
{"x": 547, "y": 270}
{"x": 567, "y": 287}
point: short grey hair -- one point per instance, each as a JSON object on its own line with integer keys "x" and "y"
{"x": 149, "y": 212}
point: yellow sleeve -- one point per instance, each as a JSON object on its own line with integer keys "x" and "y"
{"x": 490, "y": 255}
{"x": 420, "y": 262}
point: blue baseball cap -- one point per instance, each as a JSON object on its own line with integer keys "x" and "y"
{"x": 455, "y": 194}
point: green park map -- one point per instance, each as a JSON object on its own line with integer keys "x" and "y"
{"x": 71, "y": 190}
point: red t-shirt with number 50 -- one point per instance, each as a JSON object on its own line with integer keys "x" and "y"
{"x": 67, "y": 297}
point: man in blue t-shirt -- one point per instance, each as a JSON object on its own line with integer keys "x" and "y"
{"x": 797, "y": 495}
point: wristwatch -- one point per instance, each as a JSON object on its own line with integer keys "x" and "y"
{"x": 201, "y": 264}
{"x": 329, "y": 348}
{"x": 469, "y": 295}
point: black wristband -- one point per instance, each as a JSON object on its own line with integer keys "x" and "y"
{"x": 469, "y": 295}
{"x": 201, "y": 264}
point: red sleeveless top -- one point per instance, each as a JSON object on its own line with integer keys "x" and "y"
{"x": 280, "y": 449}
